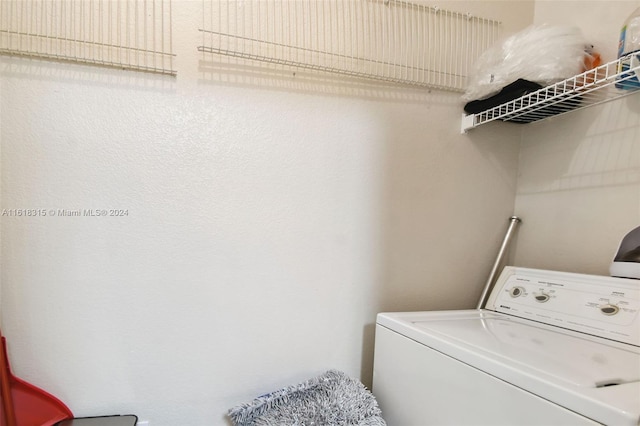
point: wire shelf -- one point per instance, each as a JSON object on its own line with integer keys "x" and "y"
{"x": 387, "y": 40}
{"x": 126, "y": 34}
{"x": 607, "y": 82}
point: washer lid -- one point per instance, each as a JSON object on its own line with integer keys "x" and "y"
{"x": 595, "y": 377}
{"x": 574, "y": 358}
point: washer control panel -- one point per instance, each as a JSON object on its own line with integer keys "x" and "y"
{"x": 598, "y": 305}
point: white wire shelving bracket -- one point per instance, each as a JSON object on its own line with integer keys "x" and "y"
{"x": 387, "y": 40}
{"x": 125, "y": 34}
{"x": 605, "y": 83}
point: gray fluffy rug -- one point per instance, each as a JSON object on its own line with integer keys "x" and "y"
{"x": 331, "y": 399}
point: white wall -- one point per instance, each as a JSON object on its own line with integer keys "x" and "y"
{"x": 579, "y": 175}
{"x": 269, "y": 219}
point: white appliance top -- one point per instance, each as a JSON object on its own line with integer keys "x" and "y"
{"x": 569, "y": 338}
{"x": 597, "y": 305}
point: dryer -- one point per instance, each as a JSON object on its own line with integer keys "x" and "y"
{"x": 550, "y": 348}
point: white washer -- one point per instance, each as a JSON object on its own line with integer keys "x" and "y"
{"x": 550, "y": 348}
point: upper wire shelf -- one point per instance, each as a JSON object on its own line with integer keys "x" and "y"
{"x": 388, "y": 40}
{"x": 607, "y": 82}
{"x": 125, "y": 34}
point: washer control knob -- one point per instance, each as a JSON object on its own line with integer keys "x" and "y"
{"x": 609, "y": 309}
{"x": 516, "y": 291}
{"x": 542, "y": 297}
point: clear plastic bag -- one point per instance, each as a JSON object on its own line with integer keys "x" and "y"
{"x": 544, "y": 54}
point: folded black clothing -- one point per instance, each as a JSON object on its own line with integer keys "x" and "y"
{"x": 508, "y": 93}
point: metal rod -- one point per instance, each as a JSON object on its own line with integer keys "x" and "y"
{"x": 513, "y": 222}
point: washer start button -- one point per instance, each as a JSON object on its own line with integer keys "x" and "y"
{"x": 542, "y": 298}
{"x": 516, "y": 291}
{"x": 609, "y": 309}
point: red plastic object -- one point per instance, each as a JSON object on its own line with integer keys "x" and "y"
{"x": 24, "y": 404}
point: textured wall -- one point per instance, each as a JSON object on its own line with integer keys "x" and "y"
{"x": 270, "y": 217}
{"x": 579, "y": 175}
